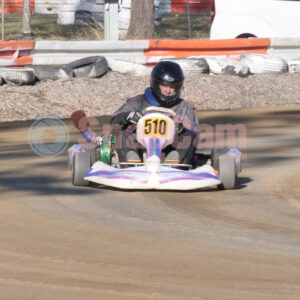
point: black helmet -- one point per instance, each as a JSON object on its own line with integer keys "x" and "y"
{"x": 166, "y": 73}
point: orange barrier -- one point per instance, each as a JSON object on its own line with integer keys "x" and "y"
{"x": 15, "y": 53}
{"x": 15, "y": 6}
{"x": 188, "y": 48}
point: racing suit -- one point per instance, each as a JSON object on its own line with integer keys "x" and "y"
{"x": 125, "y": 133}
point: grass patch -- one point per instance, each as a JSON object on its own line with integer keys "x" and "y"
{"x": 176, "y": 27}
{"x": 44, "y": 27}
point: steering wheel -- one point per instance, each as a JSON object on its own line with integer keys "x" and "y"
{"x": 160, "y": 109}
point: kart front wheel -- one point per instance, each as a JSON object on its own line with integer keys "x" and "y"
{"x": 227, "y": 172}
{"x": 214, "y": 157}
{"x": 81, "y": 163}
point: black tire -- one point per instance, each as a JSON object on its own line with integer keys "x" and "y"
{"x": 17, "y": 75}
{"x": 294, "y": 65}
{"x": 246, "y": 36}
{"x": 92, "y": 153}
{"x": 202, "y": 65}
{"x": 81, "y": 164}
{"x": 264, "y": 64}
{"x": 200, "y": 159}
{"x": 227, "y": 172}
{"x": 48, "y": 72}
{"x": 89, "y": 67}
{"x": 226, "y": 66}
{"x": 197, "y": 64}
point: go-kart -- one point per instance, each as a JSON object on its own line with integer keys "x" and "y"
{"x": 155, "y": 131}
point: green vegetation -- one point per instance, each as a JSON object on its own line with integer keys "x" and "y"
{"x": 44, "y": 27}
{"x": 176, "y": 27}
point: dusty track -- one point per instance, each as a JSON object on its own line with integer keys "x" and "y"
{"x": 61, "y": 242}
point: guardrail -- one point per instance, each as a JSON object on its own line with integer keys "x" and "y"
{"x": 61, "y": 52}
{"x": 146, "y": 52}
{"x": 143, "y": 51}
{"x": 287, "y": 48}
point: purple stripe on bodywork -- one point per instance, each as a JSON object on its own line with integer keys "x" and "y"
{"x": 113, "y": 172}
{"x": 124, "y": 177}
{"x": 154, "y": 147}
{"x": 185, "y": 178}
{"x": 200, "y": 174}
{"x": 157, "y": 147}
{"x": 191, "y": 176}
{"x": 117, "y": 175}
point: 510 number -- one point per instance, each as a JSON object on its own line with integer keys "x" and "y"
{"x": 156, "y": 127}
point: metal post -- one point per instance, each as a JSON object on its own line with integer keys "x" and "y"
{"x": 26, "y": 29}
{"x": 2, "y": 19}
{"x": 111, "y": 11}
{"x": 189, "y": 18}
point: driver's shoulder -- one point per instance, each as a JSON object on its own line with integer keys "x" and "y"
{"x": 136, "y": 98}
{"x": 184, "y": 105}
{"x": 188, "y": 104}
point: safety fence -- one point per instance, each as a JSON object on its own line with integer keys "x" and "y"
{"x": 84, "y": 19}
{"x": 53, "y": 6}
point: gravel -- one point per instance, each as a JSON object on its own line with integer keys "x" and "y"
{"x": 102, "y": 96}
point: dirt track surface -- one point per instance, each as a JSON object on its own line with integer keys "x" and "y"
{"x": 62, "y": 242}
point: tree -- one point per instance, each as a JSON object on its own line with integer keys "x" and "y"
{"x": 26, "y": 30}
{"x": 141, "y": 20}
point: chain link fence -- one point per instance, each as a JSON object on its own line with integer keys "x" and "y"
{"x": 84, "y": 19}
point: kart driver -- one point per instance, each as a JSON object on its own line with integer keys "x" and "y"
{"x": 165, "y": 86}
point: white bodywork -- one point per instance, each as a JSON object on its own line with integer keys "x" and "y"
{"x": 164, "y": 178}
{"x": 154, "y": 131}
{"x": 259, "y": 18}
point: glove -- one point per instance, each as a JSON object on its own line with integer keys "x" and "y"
{"x": 98, "y": 140}
{"x": 134, "y": 117}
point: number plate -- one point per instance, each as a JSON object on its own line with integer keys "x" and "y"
{"x": 156, "y": 127}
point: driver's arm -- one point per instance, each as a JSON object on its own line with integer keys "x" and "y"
{"x": 120, "y": 118}
{"x": 190, "y": 119}
{"x": 128, "y": 113}
{"x": 81, "y": 123}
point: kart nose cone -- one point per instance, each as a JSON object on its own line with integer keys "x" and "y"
{"x": 153, "y": 164}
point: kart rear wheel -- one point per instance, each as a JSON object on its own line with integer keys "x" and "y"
{"x": 81, "y": 163}
{"x": 227, "y": 172}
